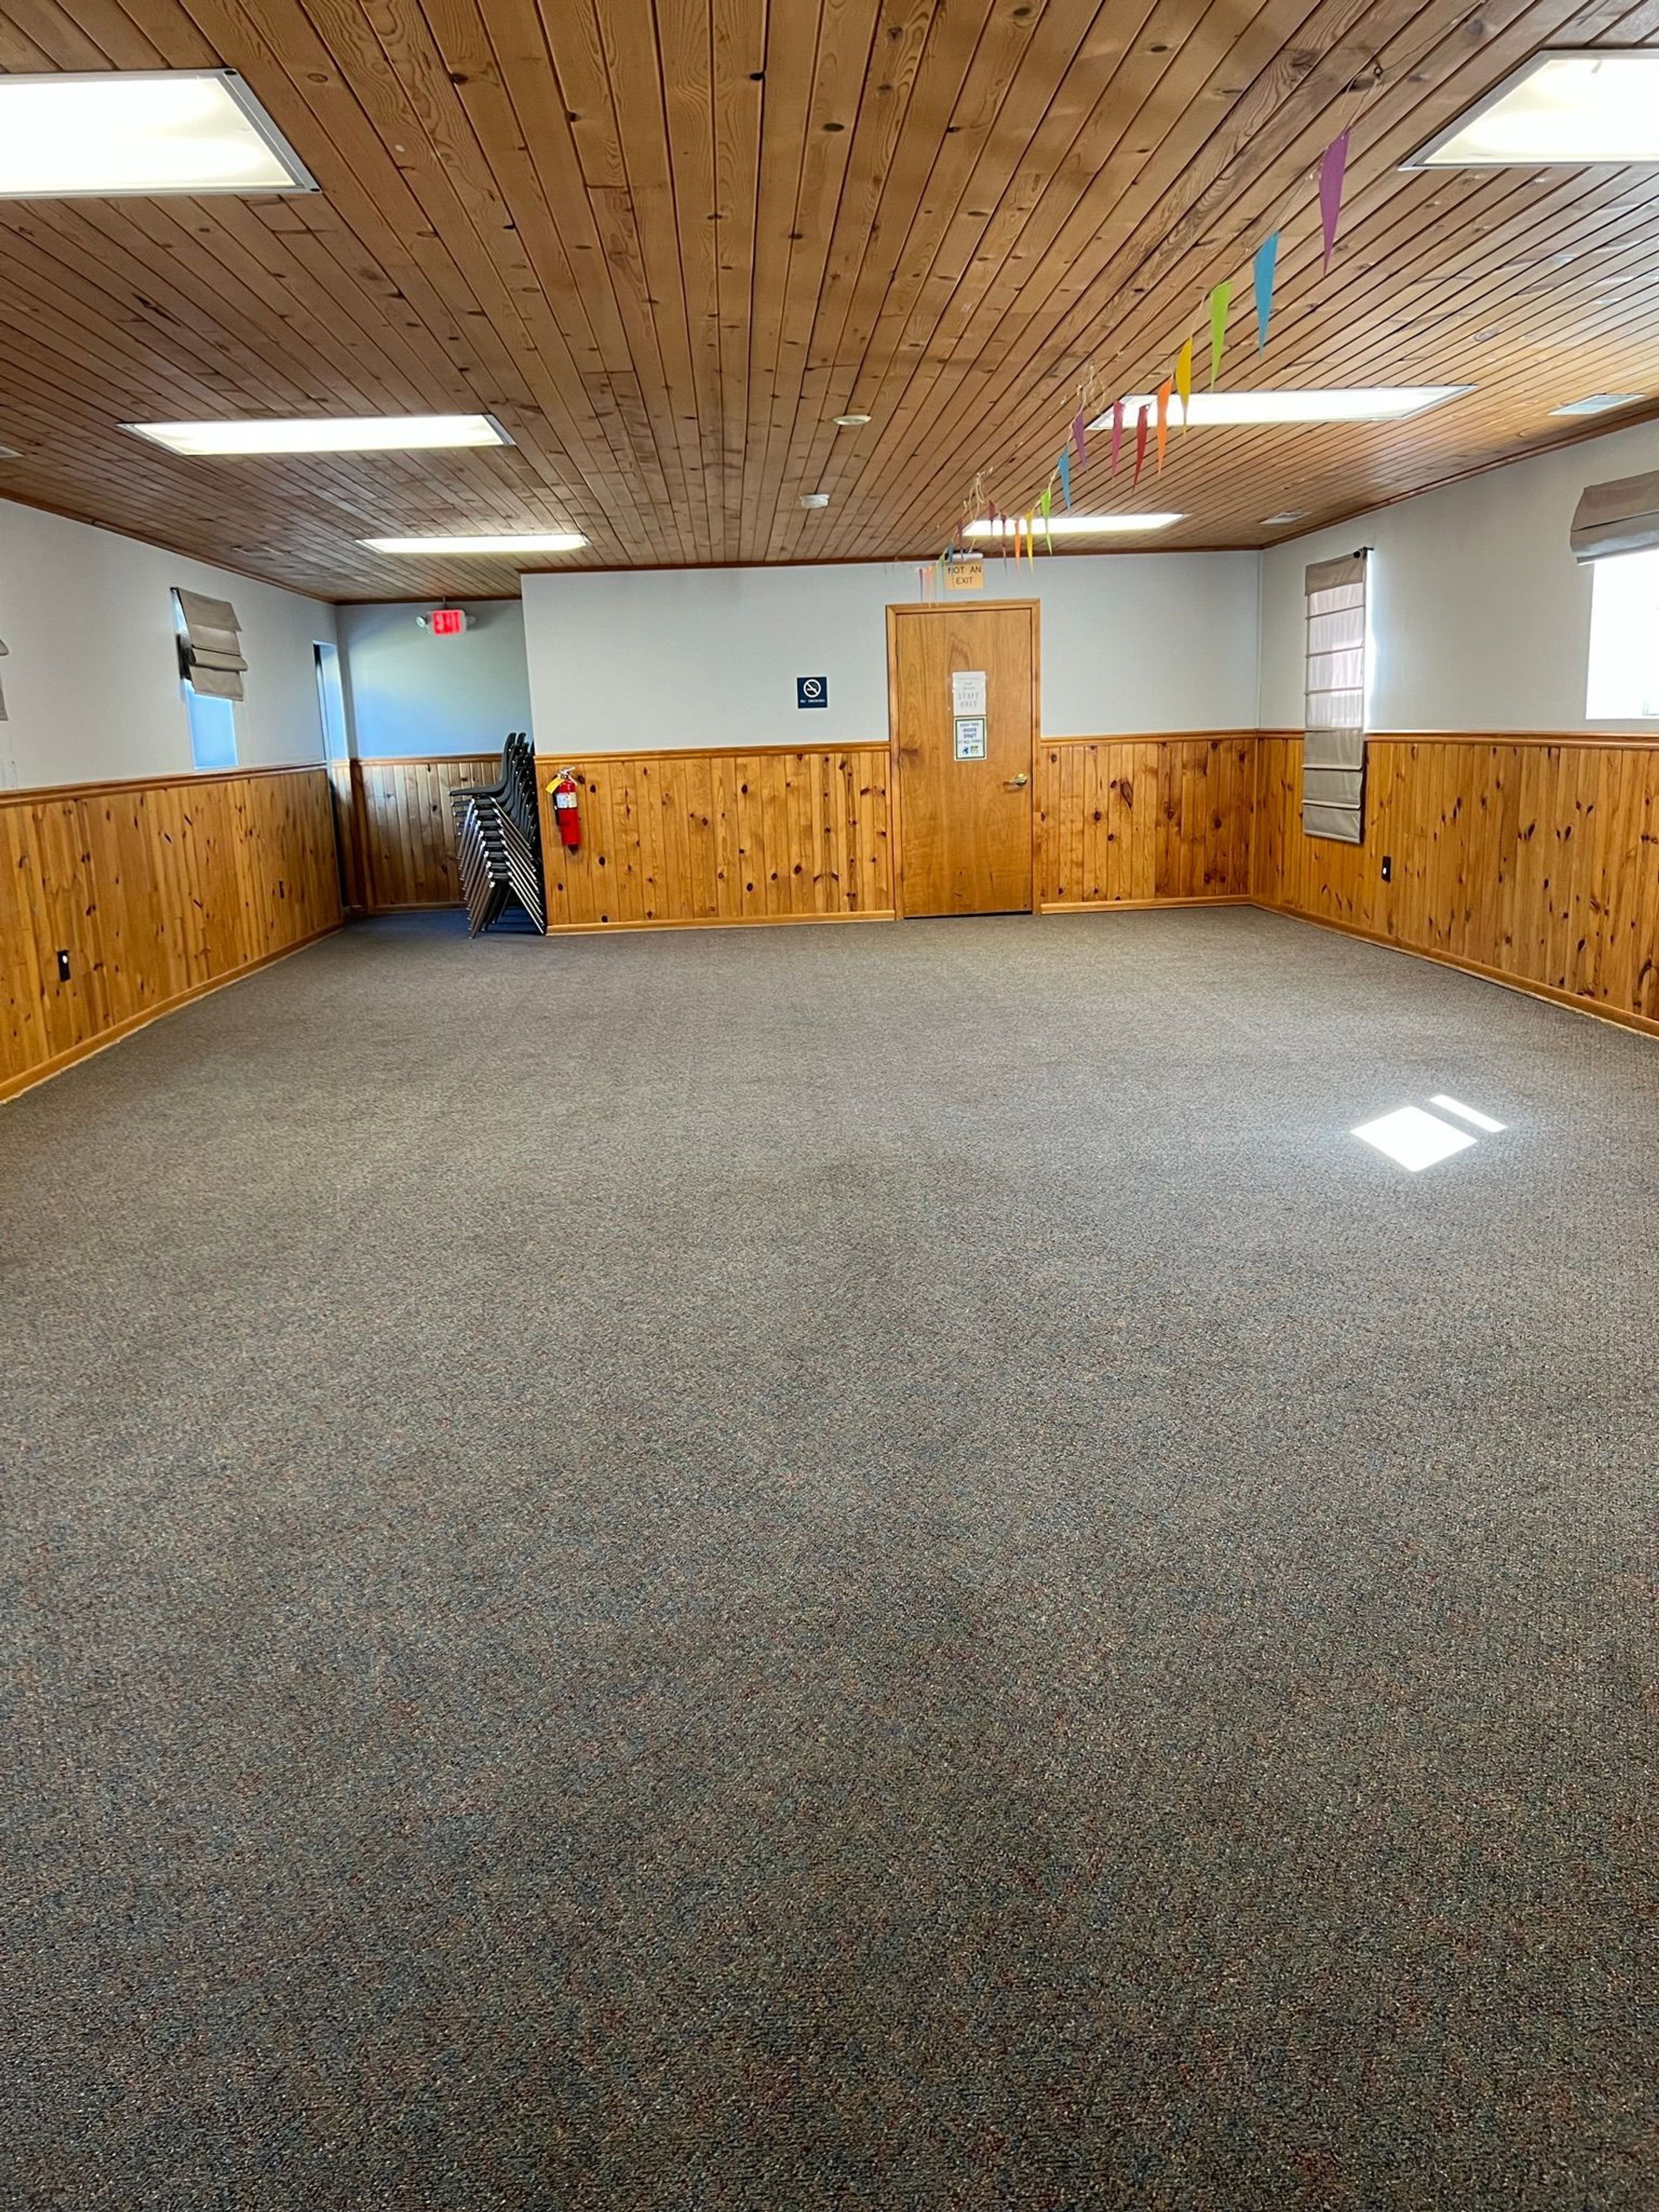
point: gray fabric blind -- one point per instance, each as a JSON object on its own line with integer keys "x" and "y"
{"x": 1333, "y": 723}
{"x": 211, "y": 645}
{"x": 1621, "y": 517}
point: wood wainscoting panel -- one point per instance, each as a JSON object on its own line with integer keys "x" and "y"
{"x": 1148, "y": 821}
{"x": 404, "y": 829}
{"x": 778, "y": 835}
{"x": 1534, "y": 861}
{"x": 156, "y": 890}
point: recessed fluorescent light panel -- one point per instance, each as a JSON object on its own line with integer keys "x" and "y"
{"x": 1360, "y": 403}
{"x": 1416, "y": 1139}
{"x": 120, "y": 131}
{"x": 325, "y": 434}
{"x": 532, "y": 541}
{"x": 1078, "y": 526}
{"x": 1268, "y": 521}
{"x": 1599, "y": 403}
{"x": 1575, "y": 107}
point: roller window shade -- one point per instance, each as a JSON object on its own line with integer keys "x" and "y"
{"x": 1622, "y": 517}
{"x": 1334, "y": 726}
{"x": 210, "y": 646}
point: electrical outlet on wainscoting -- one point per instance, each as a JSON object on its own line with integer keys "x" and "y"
{"x": 1388, "y": 867}
{"x": 63, "y": 966}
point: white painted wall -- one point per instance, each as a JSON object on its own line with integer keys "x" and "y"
{"x": 407, "y": 692}
{"x": 688, "y": 657}
{"x": 1480, "y": 615}
{"x": 91, "y": 679}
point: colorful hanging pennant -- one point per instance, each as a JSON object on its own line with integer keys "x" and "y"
{"x": 1163, "y": 391}
{"x": 1221, "y": 298}
{"x": 1063, "y": 471}
{"x": 1079, "y": 440}
{"x": 1267, "y": 258}
{"x": 1140, "y": 443}
{"x": 1183, "y": 378}
{"x": 1030, "y": 541}
{"x": 1045, "y": 508}
{"x": 1331, "y": 168}
{"x": 1117, "y": 431}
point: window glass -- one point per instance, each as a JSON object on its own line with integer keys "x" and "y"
{"x": 1624, "y": 654}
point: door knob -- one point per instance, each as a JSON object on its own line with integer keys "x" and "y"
{"x": 1016, "y": 783}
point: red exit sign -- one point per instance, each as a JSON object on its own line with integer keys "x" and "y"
{"x": 447, "y": 621}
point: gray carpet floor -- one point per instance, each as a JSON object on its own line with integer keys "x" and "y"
{"x": 830, "y": 1568}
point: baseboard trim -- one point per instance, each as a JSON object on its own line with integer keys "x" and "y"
{"x": 712, "y": 921}
{"x": 1644, "y": 1023}
{"x": 13, "y": 1086}
{"x": 1144, "y": 905}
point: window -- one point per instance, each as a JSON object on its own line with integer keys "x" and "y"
{"x": 331, "y": 702}
{"x": 212, "y": 729}
{"x": 211, "y": 664}
{"x": 1624, "y": 644}
{"x": 1333, "y": 724}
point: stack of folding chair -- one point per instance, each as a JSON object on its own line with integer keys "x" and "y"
{"x": 498, "y": 841}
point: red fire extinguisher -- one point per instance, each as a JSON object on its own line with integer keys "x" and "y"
{"x": 566, "y": 812}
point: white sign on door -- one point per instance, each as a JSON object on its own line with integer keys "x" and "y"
{"x": 967, "y": 692}
{"x": 970, "y": 737}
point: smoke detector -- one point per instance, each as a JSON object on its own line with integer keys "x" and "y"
{"x": 815, "y": 499}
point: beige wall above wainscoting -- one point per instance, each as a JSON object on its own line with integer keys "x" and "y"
{"x": 708, "y": 658}
{"x": 91, "y": 672}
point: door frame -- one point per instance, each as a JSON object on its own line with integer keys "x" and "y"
{"x": 895, "y": 797}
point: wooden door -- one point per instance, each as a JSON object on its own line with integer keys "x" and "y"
{"x": 962, "y": 699}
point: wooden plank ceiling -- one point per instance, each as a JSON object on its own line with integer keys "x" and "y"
{"x": 666, "y": 242}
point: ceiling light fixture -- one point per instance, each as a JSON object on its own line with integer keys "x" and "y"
{"x": 325, "y": 434}
{"x": 1599, "y": 403}
{"x": 851, "y": 422}
{"x": 1077, "y": 526}
{"x": 1269, "y": 521}
{"x": 110, "y": 132}
{"x": 528, "y": 541}
{"x": 1360, "y": 403}
{"x": 815, "y": 499}
{"x": 1575, "y": 106}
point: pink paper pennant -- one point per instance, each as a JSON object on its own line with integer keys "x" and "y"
{"x": 1332, "y": 167}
